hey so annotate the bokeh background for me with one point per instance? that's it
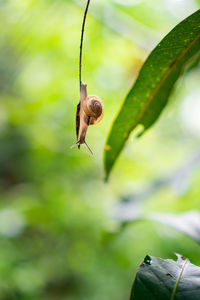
(59, 235)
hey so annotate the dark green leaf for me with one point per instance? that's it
(150, 93)
(166, 279)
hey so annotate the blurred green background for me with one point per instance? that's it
(59, 238)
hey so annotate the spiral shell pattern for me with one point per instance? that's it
(94, 108)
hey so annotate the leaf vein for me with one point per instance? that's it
(162, 81)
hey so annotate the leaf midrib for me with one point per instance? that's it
(179, 278)
(162, 81)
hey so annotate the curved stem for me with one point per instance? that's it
(81, 45)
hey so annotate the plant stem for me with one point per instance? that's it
(81, 44)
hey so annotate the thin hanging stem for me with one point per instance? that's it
(81, 45)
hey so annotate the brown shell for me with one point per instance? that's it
(94, 108)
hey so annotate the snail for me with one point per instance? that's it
(90, 111)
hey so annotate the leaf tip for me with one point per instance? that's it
(106, 178)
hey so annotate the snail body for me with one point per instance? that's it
(90, 111)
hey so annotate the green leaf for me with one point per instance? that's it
(166, 279)
(150, 93)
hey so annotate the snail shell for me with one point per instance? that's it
(90, 111)
(93, 108)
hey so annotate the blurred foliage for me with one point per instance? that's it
(58, 239)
